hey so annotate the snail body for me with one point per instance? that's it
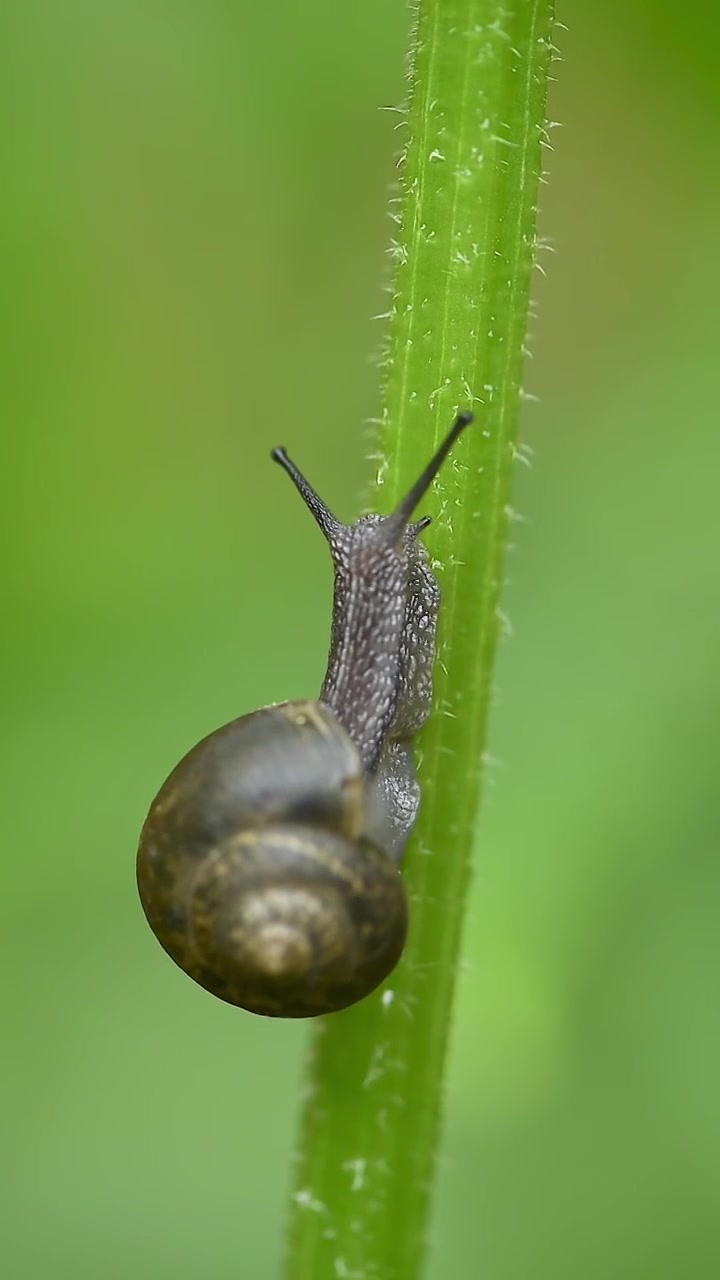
(268, 865)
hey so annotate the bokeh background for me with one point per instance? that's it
(193, 227)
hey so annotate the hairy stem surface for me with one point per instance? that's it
(463, 256)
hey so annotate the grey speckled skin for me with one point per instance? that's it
(379, 676)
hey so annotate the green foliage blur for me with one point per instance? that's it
(193, 228)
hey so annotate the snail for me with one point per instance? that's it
(268, 865)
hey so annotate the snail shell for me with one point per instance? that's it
(255, 874)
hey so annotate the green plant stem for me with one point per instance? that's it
(463, 260)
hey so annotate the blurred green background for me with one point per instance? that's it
(193, 225)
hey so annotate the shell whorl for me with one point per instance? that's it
(294, 922)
